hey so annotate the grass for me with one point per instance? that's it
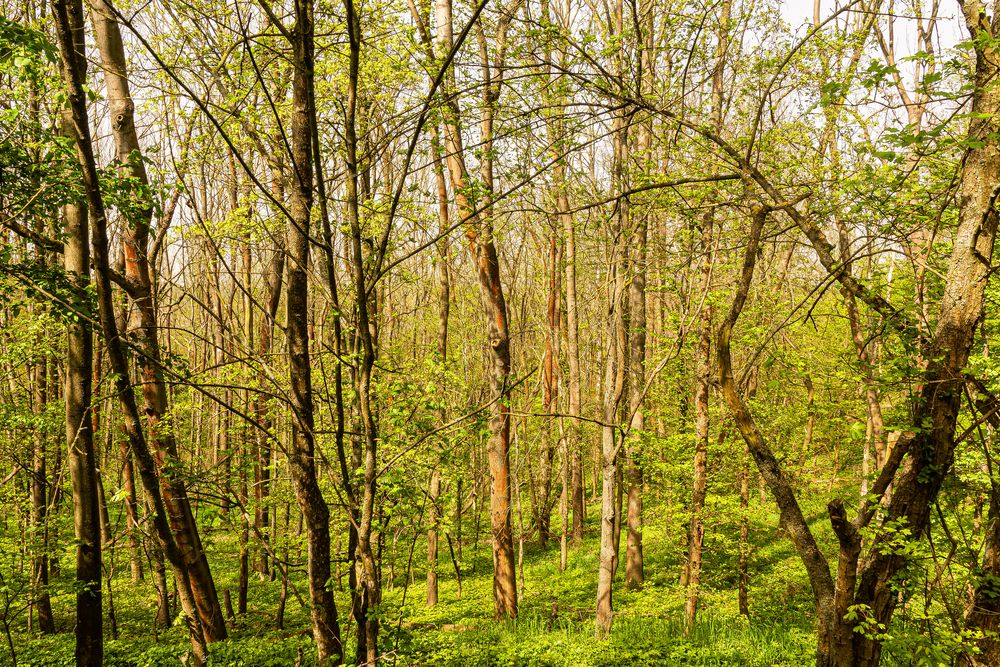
(555, 626)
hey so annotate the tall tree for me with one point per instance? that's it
(616, 340)
(703, 360)
(139, 286)
(369, 588)
(478, 222)
(68, 16)
(302, 449)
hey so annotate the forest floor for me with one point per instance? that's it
(555, 625)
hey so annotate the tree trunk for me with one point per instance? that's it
(107, 36)
(368, 574)
(131, 512)
(614, 381)
(39, 500)
(984, 612)
(433, 497)
(444, 308)
(573, 441)
(791, 518)
(742, 567)
(696, 530)
(550, 391)
(479, 233)
(68, 15)
(301, 452)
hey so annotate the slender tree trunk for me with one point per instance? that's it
(444, 308)
(39, 502)
(696, 530)
(637, 380)
(108, 549)
(550, 389)
(138, 277)
(131, 512)
(479, 233)
(573, 441)
(68, 15)
(984, 612)
(301, 452)
(810, 415)
(369, 586)
(433, 498)
(158, 569)
(634, 574)
(262, 466)
(613, 385)
(742, 567)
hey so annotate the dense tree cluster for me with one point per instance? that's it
(303, 299)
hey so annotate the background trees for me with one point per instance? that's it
(371, 283)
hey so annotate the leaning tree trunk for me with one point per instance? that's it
(138, 277)
(69, 25)
(479, 233)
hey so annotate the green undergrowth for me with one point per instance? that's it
(555, 626)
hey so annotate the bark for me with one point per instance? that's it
(696, 529)
(108, 545)
(613, 385)
(573, 441)
(68, 15)
(39, 502)
(158, 568)
(479, 234)
(107, 36)
(791, 518)
(984, 612)
(550, 390)
(433, 497)
(634, 575)
(444, 308)
(301, 452)
(131, 512)
(368, 575)
(742, 567)
(262, 414)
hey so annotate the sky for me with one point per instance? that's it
(950, 29)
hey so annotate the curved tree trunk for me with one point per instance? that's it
(138, 276)
(479, 234)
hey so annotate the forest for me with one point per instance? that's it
(499, 332)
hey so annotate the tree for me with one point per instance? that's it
(477, 219)
(302, 452)
(139, 285)
(68, 17)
